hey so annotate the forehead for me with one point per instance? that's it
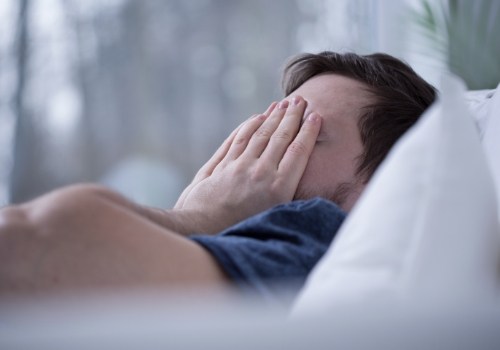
(333, 95)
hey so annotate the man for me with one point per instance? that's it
(342, 114)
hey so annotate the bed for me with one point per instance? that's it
(416, 265)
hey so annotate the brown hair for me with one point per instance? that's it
(401, 96)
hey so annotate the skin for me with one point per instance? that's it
(331, 170)
(86, 236)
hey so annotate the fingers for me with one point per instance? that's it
(285, 132)
(241, 139)
(268, 136)
(244, 131)
(270, 109)
(207, 169)
(297, 154)
(260, 138)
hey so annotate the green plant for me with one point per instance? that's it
(465, 33)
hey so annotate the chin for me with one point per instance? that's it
(344, 194)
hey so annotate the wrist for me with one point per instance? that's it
(191, 221)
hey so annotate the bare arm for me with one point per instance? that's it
(88, 236)
(258, 166)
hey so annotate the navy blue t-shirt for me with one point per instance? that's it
(277, 247)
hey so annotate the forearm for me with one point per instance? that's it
(86, 236)
(257, 167)
(184, 222)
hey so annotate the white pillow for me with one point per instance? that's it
(479, 102)
(426, 225)
(491, 139)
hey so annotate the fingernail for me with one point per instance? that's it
(295, 100)
(272, 105)
(313, 117)
(283, 104)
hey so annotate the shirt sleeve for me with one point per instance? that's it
(276, 249)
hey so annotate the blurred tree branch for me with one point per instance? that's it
(22, 124)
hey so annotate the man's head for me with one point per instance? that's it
(367, 103)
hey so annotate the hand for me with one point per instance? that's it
(207, 169)
(258, 166)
